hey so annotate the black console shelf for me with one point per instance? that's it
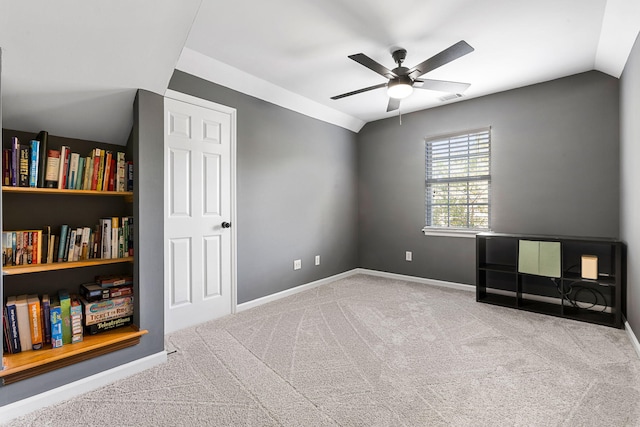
(499, 282)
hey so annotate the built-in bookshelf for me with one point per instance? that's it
(26, 208)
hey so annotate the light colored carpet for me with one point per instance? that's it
(366, 351)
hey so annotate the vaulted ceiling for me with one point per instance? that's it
(72, 67)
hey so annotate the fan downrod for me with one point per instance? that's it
(399, 56)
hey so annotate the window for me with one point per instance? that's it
(458, 180)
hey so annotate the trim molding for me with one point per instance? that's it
(212, 70)
(432, 282)
(632, 337)
(84, 385)
(305, 287)
(292, 291)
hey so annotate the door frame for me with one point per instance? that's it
(179, 96)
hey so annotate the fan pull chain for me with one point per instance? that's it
(400, 116)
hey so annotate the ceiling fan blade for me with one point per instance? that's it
(438, 60)
(441, 85)
(394, 104)
(363, 59)
(366, 89)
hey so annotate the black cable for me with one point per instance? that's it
(579, 289)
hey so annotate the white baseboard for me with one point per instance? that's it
(67, 391)
(288, 292)
(305, 287)
(632, 337)
(433, 282)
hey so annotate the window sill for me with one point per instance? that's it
(443, 232)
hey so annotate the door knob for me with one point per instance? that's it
(226, 224)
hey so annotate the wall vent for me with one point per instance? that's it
(450, 96)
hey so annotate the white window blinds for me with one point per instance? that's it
(458, 180)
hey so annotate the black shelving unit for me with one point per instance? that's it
(499, 282)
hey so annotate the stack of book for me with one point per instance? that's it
(110, 238)
(108, 303)
(36, 165)
(32, 323)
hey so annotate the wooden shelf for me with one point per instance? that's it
(28, 364)
(57, 191)
(37, 268)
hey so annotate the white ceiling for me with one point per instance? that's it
(72, 66)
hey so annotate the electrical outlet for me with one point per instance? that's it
(297, 264)
(408, 256)
(317, 259)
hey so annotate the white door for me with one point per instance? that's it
(199, 265)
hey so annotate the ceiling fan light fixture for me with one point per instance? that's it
(400, 88)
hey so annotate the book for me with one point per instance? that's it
(15, 156)
(107, 170)
(46, 318)
(12, 318)
(6, 167)
(43, 139)
(55, 317)
(130, 235)
(65, 313)
(65, 156)
(22, 316)
(74, 158)
(20, 250)
(70, 245)
(56, 248)
(101, 167)
(27, 239)
(76, 319)
(77, 247)
(46, 244)
(112, 175)
(35, 322)
(80, 175)
(34, 161)
(52, 169)
(129, 176)
(64, 231)
(6, 343)
(84, 243)
(121, 175)
(24, 166)
(105, 227)
(95, 168)
(115, 236)
(8, 246)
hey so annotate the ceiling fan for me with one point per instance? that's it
(402, 80)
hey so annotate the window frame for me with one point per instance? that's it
(448, 230)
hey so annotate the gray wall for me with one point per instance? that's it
(296, 192)
(629, 179)
(555, 157)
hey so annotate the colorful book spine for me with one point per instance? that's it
(64, 232)
(65, 310)
(121, 165)
(34, 161)
(15, 156)
(76, 319)
(52, 169)
(56, 323)
(43, 137)
(74, 158)
(129, 176)
(22, 316)
(96, 168)
(46, 318)
(35, 322)
(12, 317)
(24, 166)
(6, 167)
(105, 227)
